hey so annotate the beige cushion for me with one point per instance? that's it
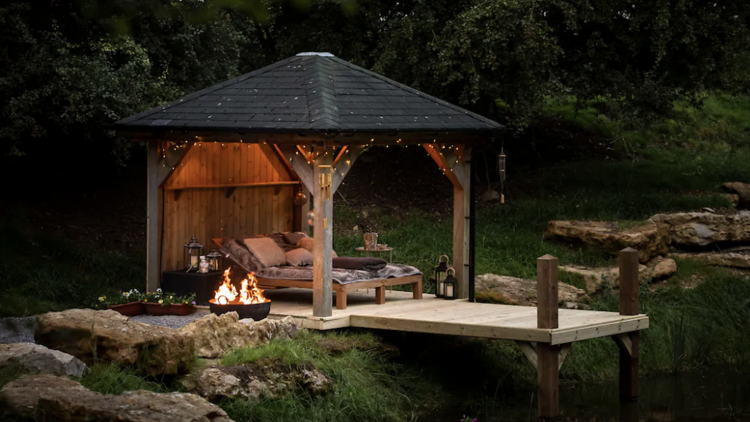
(299, 257)
(293, 237)
(266, 251)
(307, 243)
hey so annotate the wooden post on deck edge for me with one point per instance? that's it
(629, 353)
(547, 355)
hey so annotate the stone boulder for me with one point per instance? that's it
(742, 190)
(258, 380)
(518, 291)
(649, 239)
(215, 335)
(719, 259)
(700, 229)
(47, 397)
(658, 269)
(111, 337)
(30, 357)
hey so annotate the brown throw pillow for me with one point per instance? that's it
(299, 257)
(294, 237)
(266, 251)
(307, 243)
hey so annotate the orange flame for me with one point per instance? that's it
(248, 295)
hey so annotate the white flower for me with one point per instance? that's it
(158, 290)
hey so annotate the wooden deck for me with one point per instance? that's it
(438, 316)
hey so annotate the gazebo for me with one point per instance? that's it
(230, 158)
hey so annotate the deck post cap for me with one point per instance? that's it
(547, 257)
(629, 250)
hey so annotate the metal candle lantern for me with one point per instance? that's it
(450, 284)
(193, 250)
(311, 218)
(439, 276)
(300, 198)
(214, 260)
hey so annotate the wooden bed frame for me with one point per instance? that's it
(342, 289)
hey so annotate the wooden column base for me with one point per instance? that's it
(548, 361)
(380, 295)
(629, 357)
(340, 299)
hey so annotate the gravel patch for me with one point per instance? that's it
(17, 330)
(171, 321)
(21, 330)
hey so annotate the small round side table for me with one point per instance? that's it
(367, 252)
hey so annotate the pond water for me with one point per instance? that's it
(718, 395)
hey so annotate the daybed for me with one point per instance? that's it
(301, 276)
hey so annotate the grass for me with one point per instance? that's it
(366, 387)
(41, 272)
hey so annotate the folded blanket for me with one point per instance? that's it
(357, 263)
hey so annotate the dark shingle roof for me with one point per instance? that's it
(310, 92)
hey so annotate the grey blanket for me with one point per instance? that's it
(340, 276)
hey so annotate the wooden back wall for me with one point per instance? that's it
(192, 207)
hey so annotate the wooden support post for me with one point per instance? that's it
(461, 222)
(323, 236)
(341, 299)
(380, 295)
(548, 356)
(416, 290)
(629, 353)
(153, 201)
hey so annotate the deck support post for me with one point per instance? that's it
(548, 355)
(323, 236)
(628, 342)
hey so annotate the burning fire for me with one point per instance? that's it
(248, 295)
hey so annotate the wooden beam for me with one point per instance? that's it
(629, 350)
(236, 185)
(170, 160)
(344, 162)
(301, 163)
(548, 355)
(446, 159)
(565, 348)
(548, 376)
(530, 353)
(323, 236)
(153, 224)
(546, 292)
(461, 224)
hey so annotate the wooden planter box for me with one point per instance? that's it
(157, 309)
(129, 309)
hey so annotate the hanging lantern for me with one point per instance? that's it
(311, 218)
(300, 198)
(450, 284)
(439, 276)
(193, 251)
(214, 260)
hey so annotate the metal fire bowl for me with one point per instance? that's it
(256, 311)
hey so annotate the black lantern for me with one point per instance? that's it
(451, 284)
(193, 251)
(214, 260)
(439, 276)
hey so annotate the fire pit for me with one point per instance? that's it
(249, 303)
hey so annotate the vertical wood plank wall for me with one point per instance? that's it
(207, 213)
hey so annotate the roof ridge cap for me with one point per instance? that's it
(320, 91)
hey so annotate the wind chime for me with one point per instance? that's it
(501, 167)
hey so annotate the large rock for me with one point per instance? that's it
(111, 337)
(719, 259)
(36, 358)
(700, 229)
(742, 190)
(518, 291)
(258, 380)
(215, 335)
(648, 238)
(47, 397)
(658, 269)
